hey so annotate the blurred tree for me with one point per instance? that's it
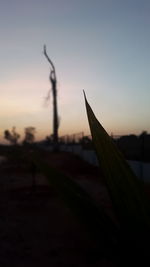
(12, 136)
(86, 142)
(53, 82)
(29, 135)
(144, 140)
(49, 139)
(143, 134)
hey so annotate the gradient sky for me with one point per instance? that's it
(101, 46)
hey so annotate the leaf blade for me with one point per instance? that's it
(125, 190)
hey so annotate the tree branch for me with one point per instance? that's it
(49, 60)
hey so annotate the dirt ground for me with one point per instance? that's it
(36, 228)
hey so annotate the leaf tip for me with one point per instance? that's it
(84, 95)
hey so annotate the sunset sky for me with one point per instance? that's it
(101, 46)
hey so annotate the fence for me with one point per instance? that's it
(77, 137)
(135, 148)
(141, 169)
(73, 138)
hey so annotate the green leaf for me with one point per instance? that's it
(126, 191)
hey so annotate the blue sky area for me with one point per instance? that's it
(101, 46)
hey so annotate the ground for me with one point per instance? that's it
(36, 227)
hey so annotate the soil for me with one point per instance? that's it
(36, 227)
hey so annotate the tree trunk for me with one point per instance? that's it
(53, 81)
(55, 117)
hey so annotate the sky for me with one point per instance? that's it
(101, 46)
